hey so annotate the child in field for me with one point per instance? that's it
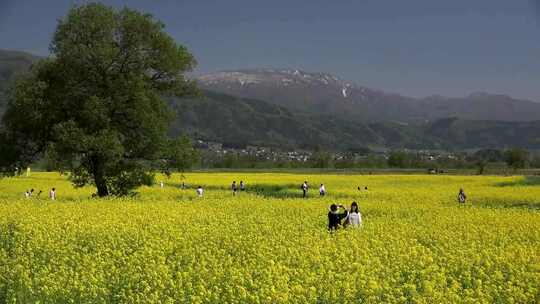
(161, 184)
(52, 194)
(334, 217)
(322, 190)
(354, 219)
(199, 191)
(242, 186)
(461, 196)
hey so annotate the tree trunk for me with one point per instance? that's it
(99, 178)
(101, 186)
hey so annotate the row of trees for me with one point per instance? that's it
(514, 158)
(480, 160)
(95, 107)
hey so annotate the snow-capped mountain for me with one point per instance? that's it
(310, 92)
(285, 78)
(327, 94)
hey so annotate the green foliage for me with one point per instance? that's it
(179, 155)
(96, 104)
(322, 159)
(535, 162)
(240, 122)
(8, 155)
(485, 156)
(398, 159)
(489, 155)
(11, 63)
(517, 158)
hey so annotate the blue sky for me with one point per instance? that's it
(413, 47)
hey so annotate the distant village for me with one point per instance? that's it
(262, 153)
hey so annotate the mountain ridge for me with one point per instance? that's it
(326, 93)
(237, 120)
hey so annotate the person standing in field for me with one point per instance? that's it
(322, 190)
(304, 188)
(461, 196)
(242, 186)
(354, 218)
(335, 217)
(199, 191)
(161, 184)
(52, 194)
(234, 188)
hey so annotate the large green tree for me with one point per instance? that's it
(97, 102)
(517, 158)
(179, 155)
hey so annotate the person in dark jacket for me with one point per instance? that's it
(234, 188)
(242, 186)
(335, 217)
(461, 196)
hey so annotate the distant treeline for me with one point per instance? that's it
(482, 161)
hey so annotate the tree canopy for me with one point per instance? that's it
(97, 103)
(517, 158)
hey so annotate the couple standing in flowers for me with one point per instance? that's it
(351, 217)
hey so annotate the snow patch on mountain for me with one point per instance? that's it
(231, 77)
(344, 92)
(286, 78)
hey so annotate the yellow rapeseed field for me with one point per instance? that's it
(268, 245)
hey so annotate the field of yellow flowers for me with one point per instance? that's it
(268, 245)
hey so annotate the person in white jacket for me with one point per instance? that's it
(199, 191)
(322, 190)
(354, 218)
(52, 194)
